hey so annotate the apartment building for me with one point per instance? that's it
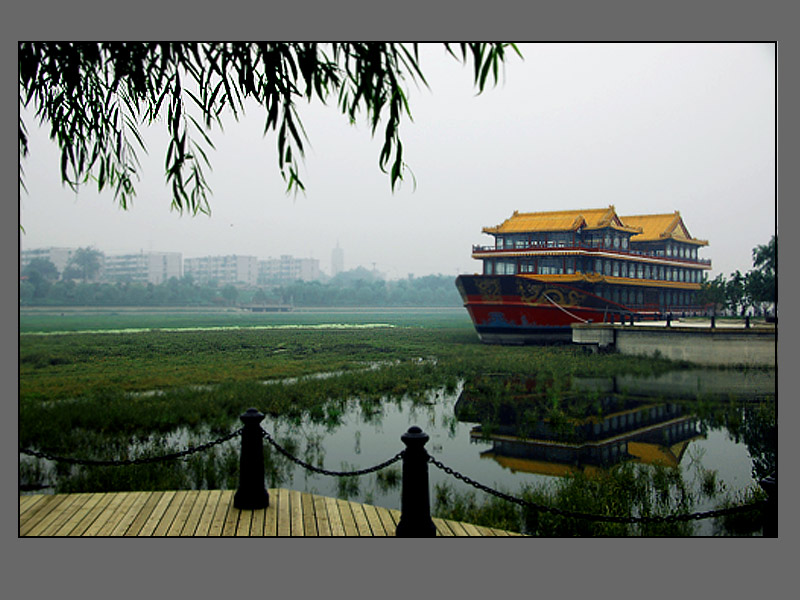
(144, 267)
(287, 269)
(233, 269)
(60, 257)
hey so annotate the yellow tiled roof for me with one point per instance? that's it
(661, 227)
(561, 220)
(644, 227)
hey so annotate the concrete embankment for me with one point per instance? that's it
(697, 341)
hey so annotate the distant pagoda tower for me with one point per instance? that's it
(337, 260)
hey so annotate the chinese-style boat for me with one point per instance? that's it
(548, 270)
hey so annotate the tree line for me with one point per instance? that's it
(40, 286)
(754, 292)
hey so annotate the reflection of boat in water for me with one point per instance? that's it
(663, 443)
(548, 270)
(584, 433)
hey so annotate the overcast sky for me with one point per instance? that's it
(649, 128)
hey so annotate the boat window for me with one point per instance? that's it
(616, 241)
(647, 271)
(616, 268)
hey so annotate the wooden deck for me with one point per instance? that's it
(210, 513)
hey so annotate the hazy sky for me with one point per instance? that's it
(649, 128)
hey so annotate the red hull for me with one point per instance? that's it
(515, 310)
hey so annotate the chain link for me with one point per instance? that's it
(310, 467)
(134, 461)
(609, 518)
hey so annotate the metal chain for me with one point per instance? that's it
(134, 461)
(611, 518)
(310, 467)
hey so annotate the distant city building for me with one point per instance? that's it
(288, 268)
(60, 257)
(337, 260)
(144, 267)
(233, 269)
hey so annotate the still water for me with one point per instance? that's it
(505, 434)
(670, 419)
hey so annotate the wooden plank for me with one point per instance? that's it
(221, 513)
(361, 519)
(211, 512)
(321, 513)
(457, 528)
(296, 513)
(309, 518)
(271, 514)
(79, 515)
(193, 517)
(139, 500)
(284, 514)
(348, 519)
(389, 524)
(56, 518)
(169, 515)
(244, 522)
(28, 502)
(104, 499)
(108, 513)
(231, 520)
(38, 512)
(158, 513)
(144, 514)
(185, 509)
(113, 522)
(375, 524)
(442, 528)
(207, 516)
(334, 517)
(257, 524)
(471, 530)
(122, 508)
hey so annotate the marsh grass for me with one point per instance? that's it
(624, 490)
(115, 396)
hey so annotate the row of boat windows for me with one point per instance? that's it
(618, 242)
(630, 297)
(568, 266)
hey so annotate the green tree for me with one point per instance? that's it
(230, 294)
(735, 293)
(714, 292)
(40, 273)
(95, 96)
(762, 281)
(44, 267)
(84, 264)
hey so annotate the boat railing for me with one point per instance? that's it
(494, 249)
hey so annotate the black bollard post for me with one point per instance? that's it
(747, 322)
(770, 485)
(713, 321)
(251, 494)
(669, 319)
(415, 507)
